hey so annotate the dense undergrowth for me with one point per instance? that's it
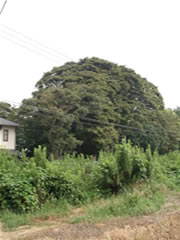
(126, 182)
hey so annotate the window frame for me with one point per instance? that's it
(5, 135)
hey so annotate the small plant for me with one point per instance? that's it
(40, 157)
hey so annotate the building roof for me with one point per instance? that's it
(4, 122)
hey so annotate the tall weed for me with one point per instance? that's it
(27, 184)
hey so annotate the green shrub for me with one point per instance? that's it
(106, 178)
(63, 185)
(127, 165)
(17, 193)
(27, 184)
(132, 162)
(40, 157)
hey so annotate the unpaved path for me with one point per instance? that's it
(161, 225)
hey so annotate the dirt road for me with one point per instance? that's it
(162, 225)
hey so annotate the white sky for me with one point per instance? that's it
(141, 34)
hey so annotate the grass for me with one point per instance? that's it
(140, 201)
(50, 211)
(12, 220)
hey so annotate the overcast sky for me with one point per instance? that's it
(141, 34)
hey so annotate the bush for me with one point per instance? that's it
(17, 193)
(116, 170)
(62, 185)
(106, 178)
(29, 183)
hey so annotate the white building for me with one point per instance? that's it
(7, 134)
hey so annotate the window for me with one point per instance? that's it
(5, 135)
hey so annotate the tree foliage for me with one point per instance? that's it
(90, 106)
(7, 111)
(171, 124)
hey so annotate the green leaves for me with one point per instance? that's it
(7, 111)
(100, 91)
(126, 166)
(27, 184)
(92, 105)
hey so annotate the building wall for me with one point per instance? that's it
(10, 144)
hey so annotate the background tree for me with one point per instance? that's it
(171, 124)
(90, 106)
(46, 124)
(7, 111)
(177, 111)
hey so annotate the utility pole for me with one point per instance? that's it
(3, 7)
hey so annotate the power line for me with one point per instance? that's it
(45, 51)
(34, 42)
(108, 123)
(31, 50)
(22, 39)
(3, 7)
(92, 121)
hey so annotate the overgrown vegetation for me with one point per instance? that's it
(27, 184)
(131, 202)
(120, 183)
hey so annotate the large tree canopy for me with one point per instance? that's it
(91, 105)
(6, 111)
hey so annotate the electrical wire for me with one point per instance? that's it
(39, 48)
(32, 41)
(29, 43)
(92, 121)
(108, 123)
(32, 45)
(31, 50)
(31, 107)
(36, 44)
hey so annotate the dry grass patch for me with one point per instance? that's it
(167, 228)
